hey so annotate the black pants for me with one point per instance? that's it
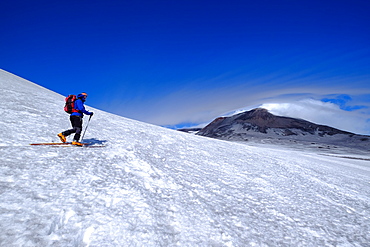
(76, 122)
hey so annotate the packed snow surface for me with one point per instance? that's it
(151, 186)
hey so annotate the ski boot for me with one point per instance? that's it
(62, 137)
(76, 143)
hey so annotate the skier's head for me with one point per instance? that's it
(82, 96)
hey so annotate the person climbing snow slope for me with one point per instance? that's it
(76, 116)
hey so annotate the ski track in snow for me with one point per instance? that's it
(156, 187)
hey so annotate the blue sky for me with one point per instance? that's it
(183, 63)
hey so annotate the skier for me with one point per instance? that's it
(76, 120)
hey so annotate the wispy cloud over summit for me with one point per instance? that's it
(355, 120)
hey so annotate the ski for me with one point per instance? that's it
(51, 143)
(65, 144)
(54, 143)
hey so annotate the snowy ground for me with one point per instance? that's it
(152, 186)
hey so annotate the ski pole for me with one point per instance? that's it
(87, 125)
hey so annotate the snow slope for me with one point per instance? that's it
(152, 186)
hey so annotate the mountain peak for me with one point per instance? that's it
(260, 110)
(258, 113)
(260, 123)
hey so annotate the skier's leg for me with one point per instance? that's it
(74, 123)
(77, 128)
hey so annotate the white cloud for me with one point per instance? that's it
(203, 107)
(197, 105)
(324, 113)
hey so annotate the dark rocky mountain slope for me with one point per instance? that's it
(261, 124)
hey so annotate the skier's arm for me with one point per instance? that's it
(80, 106)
